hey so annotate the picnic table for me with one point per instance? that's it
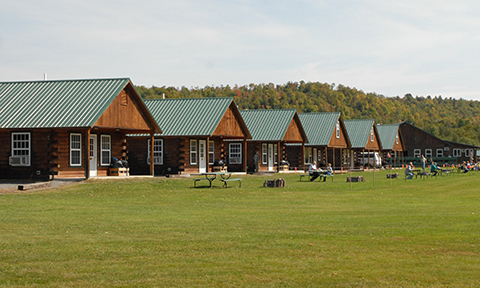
(323, 175)
(221, 176)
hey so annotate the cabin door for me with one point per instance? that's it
(202, 153)
(93, 155)
(270, 157)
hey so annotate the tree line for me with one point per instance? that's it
(446, 118)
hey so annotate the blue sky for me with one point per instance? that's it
(387, 47)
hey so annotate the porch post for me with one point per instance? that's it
(207, 154)
(245, 155)
(303, 157)
(87, 154)
(278, 155)
(152, 143)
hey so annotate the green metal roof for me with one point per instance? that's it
(359, 131)
(387, 134)
(56, 104)
(319, 127)
(188, 116)
(268, 125)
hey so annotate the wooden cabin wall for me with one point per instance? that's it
(294, 156)
(338, 142)
(415, 138)
(293, 133)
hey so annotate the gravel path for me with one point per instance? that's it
(11, 186)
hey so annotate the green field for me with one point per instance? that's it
(158, 232)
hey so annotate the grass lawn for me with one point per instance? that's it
(165, 233)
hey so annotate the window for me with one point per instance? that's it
(275, 153)
(193, 152)
(235, 153)
(371, 135)
(123, 98)
(308, 155)
(20, 149)
(75, 149)
(457, 152)
(105, 150)
(468, 153)
(337, 130)
(439, 152)
(157, 152)
(396, 139)
(428, 153)
(417, 152)
(264, 153)
(211, 152)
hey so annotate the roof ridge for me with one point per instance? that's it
(65, 80)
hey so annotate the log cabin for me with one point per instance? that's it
(68, 128)
(365, 142)
(392, 144)
(327, 140)
(419, 142)
(194, 137)
(271, 130)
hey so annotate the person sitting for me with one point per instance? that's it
(329, 171)
(116, 163)
(434, 169)
(465, 167)
(409, 171)
(312, 170)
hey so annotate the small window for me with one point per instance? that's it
(337, 130)
(371, 135)
(439, 152)
(75, 149)
(396, 139)
(457, 152)
(105, 150)
(157, 152)
(235, 153)
(428, 153)
(467, 153)
(275, 153)
(211, 152)
(21, 149)
(264, 153)
(193, 152)
(417, 153)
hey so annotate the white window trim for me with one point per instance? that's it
(428, 153)
(235, 160)
(193, 152)
(468, 152)
(457, 152)
(275, 153)
(417, 152)
(157, 155)
(108, 150)
(337, 131)
(396, 139)
(371, 135)
(264, 153)
(76, 149)
(439, 153)
(211, 151)
(29, 149)
(308, 155)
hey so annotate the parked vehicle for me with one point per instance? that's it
(370, 159)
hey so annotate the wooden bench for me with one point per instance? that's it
(325, 176)
(225, 181)
(423, 175)
(210, 179)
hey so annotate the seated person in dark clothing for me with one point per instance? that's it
(434, 169)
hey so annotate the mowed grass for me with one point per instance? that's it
(165, 233)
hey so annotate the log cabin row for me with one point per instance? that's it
(73, 128)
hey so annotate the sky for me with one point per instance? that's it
(391, 48)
